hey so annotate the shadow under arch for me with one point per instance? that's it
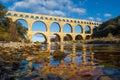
(55, 27)
(39, 37)
(39, 26)
(67, 37)
(78, 37)
(67, 28)
(78, 29)
(55, 38)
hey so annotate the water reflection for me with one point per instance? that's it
(80, 63)
(72, 62)
(76, 53)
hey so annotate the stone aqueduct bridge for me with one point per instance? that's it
(48, 20)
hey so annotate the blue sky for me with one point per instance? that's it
(96, 10)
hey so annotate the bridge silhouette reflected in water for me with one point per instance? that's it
(79, 62)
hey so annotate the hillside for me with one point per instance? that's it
(111, 26)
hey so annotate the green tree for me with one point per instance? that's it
(2, 11)
(8, 29)
(4, 23)
(13, 32)
(22, 30)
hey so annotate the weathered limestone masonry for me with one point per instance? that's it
(48, 20)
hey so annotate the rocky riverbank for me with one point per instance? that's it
(11, 59)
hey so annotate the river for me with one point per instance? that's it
(73, 62)
(81, 62)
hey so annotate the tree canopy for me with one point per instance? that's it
(2, 11)
(9, 30)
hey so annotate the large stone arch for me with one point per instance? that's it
(23, 20)
(41, 34)
(67, 37)
(87, 29)
(22, 26)
(66, 28)
(39, 24)
(78, 29)
(78, 37)
(56, 38)
(55, 27)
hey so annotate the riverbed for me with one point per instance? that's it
(78, 62)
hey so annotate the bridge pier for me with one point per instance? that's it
(62, 48)
(84, 55)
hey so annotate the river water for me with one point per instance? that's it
(80, 62)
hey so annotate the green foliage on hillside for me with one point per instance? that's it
(110, 27)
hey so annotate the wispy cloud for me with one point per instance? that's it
(50, 7)
(107, 15)
(91, 18)
(79, 10)
(98, 19)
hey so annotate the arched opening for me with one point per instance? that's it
(88, 37)
(78, 37)
(9, 14)
(87, 30)
(37, 17)
(39, 26)
(26, 16)
(15, 15)
(78, 29)
(67, 28)
(22, 27)
(55, 27)
(39, 37)
(68, 37)
(55, 38)
(21, 16)
(32, 17)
